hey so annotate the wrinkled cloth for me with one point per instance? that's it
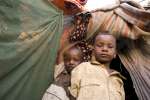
(113, 22)
(58, 70)
(62, 81)
(55, 92)
(91, 81)
(136, 60)
(30, 33)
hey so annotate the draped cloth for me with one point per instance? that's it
(133, 25)
(30, 33)
(136, 60)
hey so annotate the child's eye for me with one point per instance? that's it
(110, 46)
(99, 45)
(77, 60)
(66, 58)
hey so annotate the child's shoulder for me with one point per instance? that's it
(58, 69)
(82, 66)
(117, 74)
(84, 63)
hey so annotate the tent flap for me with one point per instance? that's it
(29, 40)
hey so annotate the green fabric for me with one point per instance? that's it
(30, 31)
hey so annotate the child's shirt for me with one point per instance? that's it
(55, 92)
(63, 79)
(58, 70)
(59, 89)
(91, 81)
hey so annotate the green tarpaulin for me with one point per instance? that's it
(29, 36)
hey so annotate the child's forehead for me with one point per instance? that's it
(72, 51)
(106, 37)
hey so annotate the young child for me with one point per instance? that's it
(95, 80)
(59, 89)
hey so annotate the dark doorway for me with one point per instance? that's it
(128, 85)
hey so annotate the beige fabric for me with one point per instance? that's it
(93, 82)
(58, 69)
(55, 92)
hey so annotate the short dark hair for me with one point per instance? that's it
(101, 33)
(84, 47)
(71, 46)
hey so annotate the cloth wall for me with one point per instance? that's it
(135, 57)
(30, 33)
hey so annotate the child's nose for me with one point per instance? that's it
(105, 48)
(71, 61)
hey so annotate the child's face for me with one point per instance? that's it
(72, 58)
(105, 48)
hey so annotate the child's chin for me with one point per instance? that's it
(69, 70)
(104, 60)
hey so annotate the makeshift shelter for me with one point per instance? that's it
(30, 36)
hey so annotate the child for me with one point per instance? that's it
(59, 89)
(95, 80)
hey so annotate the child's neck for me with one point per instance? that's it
(106, 65)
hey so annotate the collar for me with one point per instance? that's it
(64, 71)
(116, 73)
(94, 62)
(112, 73)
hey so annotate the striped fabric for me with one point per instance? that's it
(115, 24)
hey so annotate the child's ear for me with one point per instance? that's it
(114, 56)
